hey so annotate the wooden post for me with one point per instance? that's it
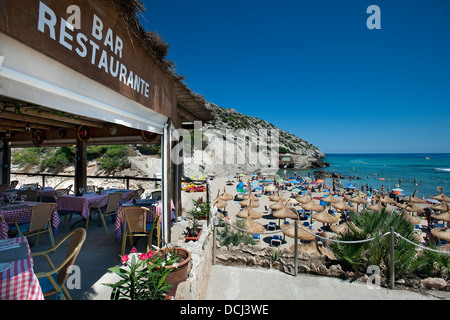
(392, 258)
(80, 166)
(6, 162)
(296, 248)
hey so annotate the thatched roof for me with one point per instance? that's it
(152, 42)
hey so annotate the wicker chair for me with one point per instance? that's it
(53, 282)
(107, 210)
(135, 220)
(3, 188)
(40, 222)
(32, 195)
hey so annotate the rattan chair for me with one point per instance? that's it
(3, 188)
(135, 225)
(53, 282)
(112, 202)
(40, 222)
(32, 195)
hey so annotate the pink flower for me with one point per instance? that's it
(124, 259)
(143, 256)
(133, 250)
(150, 254)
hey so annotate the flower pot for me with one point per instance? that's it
(180, 273)
(192, 238)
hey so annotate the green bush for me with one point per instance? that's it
(227, 236)
(27, 157)
(115, 158)
(58, 158)
(360, 256)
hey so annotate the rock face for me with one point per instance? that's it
(234, 142)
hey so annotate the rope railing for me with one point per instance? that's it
(392, 234)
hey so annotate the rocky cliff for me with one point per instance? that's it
(234, 142)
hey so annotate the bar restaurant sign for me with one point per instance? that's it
(90, 37)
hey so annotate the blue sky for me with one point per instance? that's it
(314, 69)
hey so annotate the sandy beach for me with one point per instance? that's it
(219, 184)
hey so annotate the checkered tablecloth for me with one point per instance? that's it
(19, 282)
(80, 205)
(11, 212)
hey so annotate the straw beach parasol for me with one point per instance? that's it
(375, 207)
(253, 226)
(441, 196)
(330, 199)
(301, 234)
(343, 227)
(226, 196)
(249, 203)
(443, 216)
(312, 206)
(305, 198)
(386, 199)
(441, 233)
(325, 217)
(342, 206)
(249, 213)
(277, 205)
(414, 199)
(285, 213)
(443, 206)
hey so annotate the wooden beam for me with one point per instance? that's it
(57, 117)
(15, 123)
(33, 119)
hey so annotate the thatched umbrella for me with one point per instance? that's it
(342, 206)
(441, 233)
(342, 228)
(313, 248)
(401, 205)
(443, 216)
(275, 197)
(413, 219)
(253, 226)
(304, 198)
(386, 199)
(220, 204)
(251, 196)
(285, 213)
(441, 196)
(414, 199)
(411, 207)
(312, 206)
(249, 203)
(330, 199)
(277, 205)
(301, 234)
(358, 200)
(325, 217)
(375, 207)
(249, 213)
(226, 196)
(443, 206)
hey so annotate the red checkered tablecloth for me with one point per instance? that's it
(80, 204)
(19, 282)
(11, 212)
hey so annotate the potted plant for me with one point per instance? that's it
(200, 209)
(151, 275)
(193, 232)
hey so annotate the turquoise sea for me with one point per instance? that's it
(429, 171)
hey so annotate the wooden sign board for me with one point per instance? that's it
(90, 37)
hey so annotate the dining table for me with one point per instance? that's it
(154, 209)
(17, 278)
(47, 193)
(22, 209)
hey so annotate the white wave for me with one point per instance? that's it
(443, 169)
